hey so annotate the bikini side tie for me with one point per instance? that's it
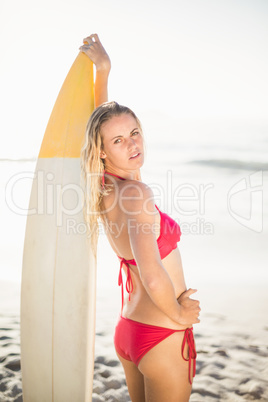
(129, 283)
(189, 338)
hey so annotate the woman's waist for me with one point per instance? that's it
(141, 308)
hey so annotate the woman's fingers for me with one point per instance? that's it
(186, 295)
(191, 308)
(189, 292)
(95, 37)
(85, 47)
(91, 39)
(93, 48)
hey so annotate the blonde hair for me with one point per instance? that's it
(93, 167)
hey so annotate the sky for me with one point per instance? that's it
(188, 59)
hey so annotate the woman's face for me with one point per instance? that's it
(122, 143)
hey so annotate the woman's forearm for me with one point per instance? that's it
(161, 291)
(184, 310)
(101, 87)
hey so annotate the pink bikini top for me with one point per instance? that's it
(170, 234)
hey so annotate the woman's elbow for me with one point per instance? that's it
(151, 281)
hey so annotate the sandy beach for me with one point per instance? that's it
(232, 363)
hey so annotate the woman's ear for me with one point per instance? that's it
(102, 154)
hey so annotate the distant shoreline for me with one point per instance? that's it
(215, 163)
(18, 160)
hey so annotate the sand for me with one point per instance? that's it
(232, 348)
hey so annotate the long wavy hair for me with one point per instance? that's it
(93, 167)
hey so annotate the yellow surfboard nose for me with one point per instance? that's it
(65, 130)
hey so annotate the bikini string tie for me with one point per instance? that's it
(103, 180)
(129, 283)
(189, 339)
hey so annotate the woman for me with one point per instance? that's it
(153, 337)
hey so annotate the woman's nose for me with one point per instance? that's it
(131, 143)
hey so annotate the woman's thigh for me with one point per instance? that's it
(134, 379)
(166, 374)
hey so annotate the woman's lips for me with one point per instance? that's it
(134, 157)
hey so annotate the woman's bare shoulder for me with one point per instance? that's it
(129, 198)
(135, 197)
(133, 188)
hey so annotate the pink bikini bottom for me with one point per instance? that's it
(133, 339)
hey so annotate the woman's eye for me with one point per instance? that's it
(119, 139)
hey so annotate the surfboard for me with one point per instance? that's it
(58, 289)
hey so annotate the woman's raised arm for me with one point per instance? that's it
(93, 48)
